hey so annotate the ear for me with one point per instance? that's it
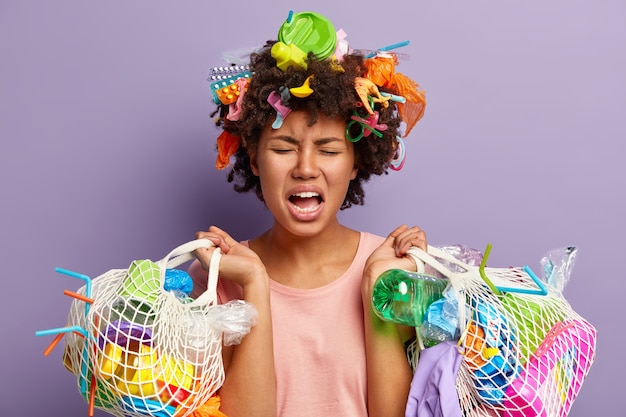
(253, 164)
(355, 171)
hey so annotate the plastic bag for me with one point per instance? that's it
(557, 266)
(139, 345)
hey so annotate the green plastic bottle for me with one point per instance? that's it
(402, 297)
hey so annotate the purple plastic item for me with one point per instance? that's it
(119, 332)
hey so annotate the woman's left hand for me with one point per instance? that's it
(389, 373)
(392, 254)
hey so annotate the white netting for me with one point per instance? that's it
(525, 351)
(143, 350)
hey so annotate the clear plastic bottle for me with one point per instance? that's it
(402, 297)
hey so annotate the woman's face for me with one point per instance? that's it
(304, 171)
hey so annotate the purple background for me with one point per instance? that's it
(107, 151)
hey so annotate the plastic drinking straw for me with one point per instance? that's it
(483, 275)
(92, 395)
(81, 277)
(387, 48)
(394, 46)
(290, 16)
(541, 289)
(393, 97)
(58, 330)
(78, 296)
(83, 371)
(53, 344)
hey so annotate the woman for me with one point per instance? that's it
(317, 349)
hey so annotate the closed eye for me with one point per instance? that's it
(282, 150)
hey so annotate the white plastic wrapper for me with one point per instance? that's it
(557, 266)
(234, 319)
(463, 253)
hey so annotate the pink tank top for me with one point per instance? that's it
(319, 345)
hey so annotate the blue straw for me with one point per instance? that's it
(394, 97)
(387, 48)
(63, 330)
(394, 46)
(81, 277)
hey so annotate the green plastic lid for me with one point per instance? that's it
(311, 32)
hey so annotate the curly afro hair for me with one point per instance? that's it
(334, 95)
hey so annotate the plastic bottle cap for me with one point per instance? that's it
(311, 32)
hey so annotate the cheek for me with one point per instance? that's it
(272, 179)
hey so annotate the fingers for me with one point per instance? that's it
(227, 238)
(408, 237)
(218, 237)
(391, 238)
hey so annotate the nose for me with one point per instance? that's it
(306, 165)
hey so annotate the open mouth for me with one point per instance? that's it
(305, 202)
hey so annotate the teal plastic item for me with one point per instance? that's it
(402, 297)
(225, 82)
(311, 32)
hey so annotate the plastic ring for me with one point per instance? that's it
(398, 161)
(350, 138)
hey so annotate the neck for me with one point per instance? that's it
(289, 257)
(282, 239)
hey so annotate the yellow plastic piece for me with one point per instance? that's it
(144, 372)
(108, 362)
(490, 352)
(138, 377)
(288, 55)
(177, 373)
(304, 90)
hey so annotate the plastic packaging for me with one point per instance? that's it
(463, 253)
(402, 296)
(490, 351)
(234, 319)
(179, 282)
(441, 320)
(557, 266)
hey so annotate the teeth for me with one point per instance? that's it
(308, 194)
(305, 210)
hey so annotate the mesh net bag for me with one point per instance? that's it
(139, 345)
(525, 351)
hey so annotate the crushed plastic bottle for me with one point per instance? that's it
(402, 297)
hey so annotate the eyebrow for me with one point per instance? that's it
(320, 141)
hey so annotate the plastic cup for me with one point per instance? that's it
(311, 32)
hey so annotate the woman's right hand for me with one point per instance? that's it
(239, 263)
(250, 384)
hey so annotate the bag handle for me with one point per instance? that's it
(431, 258)
(184, 253)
